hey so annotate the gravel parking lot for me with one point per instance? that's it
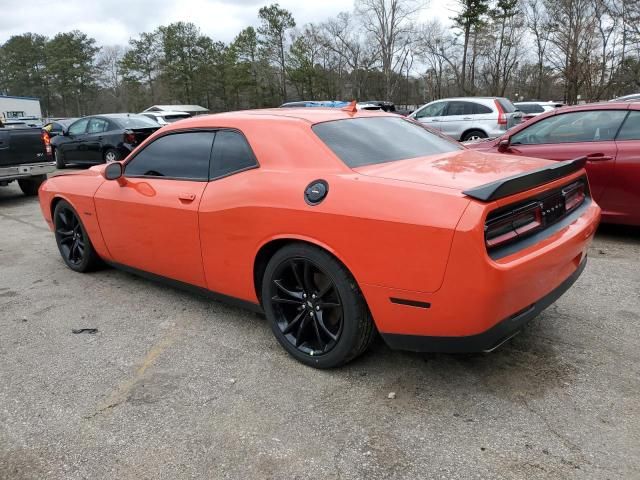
(176, 386)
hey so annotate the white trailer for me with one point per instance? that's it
(19, 107)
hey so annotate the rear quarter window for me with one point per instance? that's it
(480, 109)
(137, 121)
(367, 141)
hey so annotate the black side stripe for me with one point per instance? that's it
(410, 303)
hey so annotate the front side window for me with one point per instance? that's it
(631, 128)
(433, 110)
(231, 153)
(180, 155)
(586, 126)
(367, 141)
(79, 127)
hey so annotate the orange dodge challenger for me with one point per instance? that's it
(336, 224)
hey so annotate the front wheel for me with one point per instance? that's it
(30, 186)
(72, 239)
(315, 307)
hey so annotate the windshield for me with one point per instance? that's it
(136, 121)
(367, 141)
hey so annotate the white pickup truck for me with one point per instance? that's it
(25, 156)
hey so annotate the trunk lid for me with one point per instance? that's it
(461, 170)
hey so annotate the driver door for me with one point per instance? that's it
(431, 114)
(73, 140)
(149, 217)
(567, 136)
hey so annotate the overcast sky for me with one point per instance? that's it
(115, 21)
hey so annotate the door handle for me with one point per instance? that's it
(187, 197)
(467, 118)
(435, 120)
(598, 157)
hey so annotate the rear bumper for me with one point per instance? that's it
(29, 170)
(489, 339)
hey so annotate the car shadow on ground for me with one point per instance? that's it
(619, 232)
(12, 196)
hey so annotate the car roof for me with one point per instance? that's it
(164, 113)
(306, 115)
(466, 98)
(117, 115)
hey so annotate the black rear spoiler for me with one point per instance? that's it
(525, 181)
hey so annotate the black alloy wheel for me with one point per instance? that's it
(315, 307)
(72, 239)
(308, 307)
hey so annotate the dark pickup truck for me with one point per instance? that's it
(25, 156)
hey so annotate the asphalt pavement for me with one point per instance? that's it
(177, 386)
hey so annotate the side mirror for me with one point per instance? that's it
(113, 171)
(503, 145)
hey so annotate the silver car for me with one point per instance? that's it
(469, 118)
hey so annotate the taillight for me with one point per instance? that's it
(573, 196)
(46, 139)
(512, 225)
(129, 137)
(504, 227)
(502, 117)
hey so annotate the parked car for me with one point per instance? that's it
(310, 215)
(607, 134)
(101, 138)
(330, 104)
(25, 157)
(533, 109)
(627, 98)
(164, 117)
(384, 105)
(469, 118)
(58, 126)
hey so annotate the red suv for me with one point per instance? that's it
(608, 134)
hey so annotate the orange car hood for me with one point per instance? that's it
(458, 170)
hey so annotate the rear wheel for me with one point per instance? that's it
(30, 186)
(57, 155)
(111, 155)
(315, 307)
(473, 135)
(72, 239)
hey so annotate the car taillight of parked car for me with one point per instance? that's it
(130, 138)
(46, 139)
(534, 216)
(502, 117)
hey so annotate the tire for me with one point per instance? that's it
(111, 155)
(301, 279)
(473, 135)
(73, 242)
(57, 155)
(30, 186)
